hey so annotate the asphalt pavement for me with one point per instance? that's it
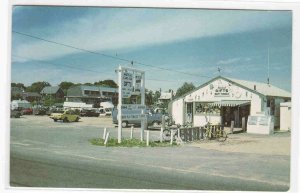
(48, 154)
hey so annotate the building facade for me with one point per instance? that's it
(223, 100)
(92, 94)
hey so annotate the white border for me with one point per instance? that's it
(5, 52)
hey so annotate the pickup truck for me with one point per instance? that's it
(153, 119)
(65, 116)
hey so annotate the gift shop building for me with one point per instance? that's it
(223, 100)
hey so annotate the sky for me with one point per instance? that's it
(172, 46)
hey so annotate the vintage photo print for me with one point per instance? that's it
(143, 97)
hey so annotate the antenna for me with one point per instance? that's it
(219, 69)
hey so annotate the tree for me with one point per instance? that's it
(19, 85)
(106, 83)
(185, 88)
(37, 86)
(65, 85)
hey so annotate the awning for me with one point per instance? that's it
(230, 103)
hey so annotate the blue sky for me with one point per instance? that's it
(194, 41)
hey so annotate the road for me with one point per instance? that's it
(48, 154)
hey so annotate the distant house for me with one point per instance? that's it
(54, 91)
(31, 96)
(165, 97)
(92, 94)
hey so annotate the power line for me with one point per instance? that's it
(106, 55)
(77, 68)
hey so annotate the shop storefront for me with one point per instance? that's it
(223, 100)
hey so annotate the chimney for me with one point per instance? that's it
(254, 87)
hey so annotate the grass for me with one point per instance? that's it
(130, 143)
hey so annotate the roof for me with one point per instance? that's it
(31, 94)
(262, 88)
(50, 90)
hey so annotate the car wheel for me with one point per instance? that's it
(65, 120)
(77, 119)
(55, 120)
(124, 124)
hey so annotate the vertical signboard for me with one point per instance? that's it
(131, 82)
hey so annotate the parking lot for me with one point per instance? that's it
(276, 144)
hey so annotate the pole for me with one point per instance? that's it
(163, 126)
(104, 134)
(143, 103)
(131, 132)
(148, 138)
(120, 72)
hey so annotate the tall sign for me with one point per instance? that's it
(131, 82)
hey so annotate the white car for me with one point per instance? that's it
(104, 111)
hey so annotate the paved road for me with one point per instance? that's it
(59, 155)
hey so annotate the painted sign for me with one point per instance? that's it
(127, 84)
(131, 82)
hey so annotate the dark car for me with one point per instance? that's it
(89, 113)
(16, 113)
(40, 111)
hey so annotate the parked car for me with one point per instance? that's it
(153, 119)
(27, 111)
(89, 113)
(66, 116)
(40, 111)
(16, 113)
(104, 111)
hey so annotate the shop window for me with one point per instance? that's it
(206, 109)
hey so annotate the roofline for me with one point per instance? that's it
(206, 83)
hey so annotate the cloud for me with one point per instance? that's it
(131, 29)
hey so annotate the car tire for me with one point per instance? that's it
(77, 119)
(55, 120)
(65, 120)
(156, 124)
(124, 124)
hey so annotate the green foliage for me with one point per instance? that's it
(19, 85)
(50, 101)
(16, 97)
(65, 85)
(106, 83)
(185, 88)
(129, 143)
(37, 86)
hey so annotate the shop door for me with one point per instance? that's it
(189, 113)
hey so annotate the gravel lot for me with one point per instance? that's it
(276, 144)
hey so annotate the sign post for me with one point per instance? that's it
(131, 82)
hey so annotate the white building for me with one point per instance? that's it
(222, 100)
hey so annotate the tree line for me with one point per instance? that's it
(151, 97)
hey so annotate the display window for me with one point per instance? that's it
(206, 108)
